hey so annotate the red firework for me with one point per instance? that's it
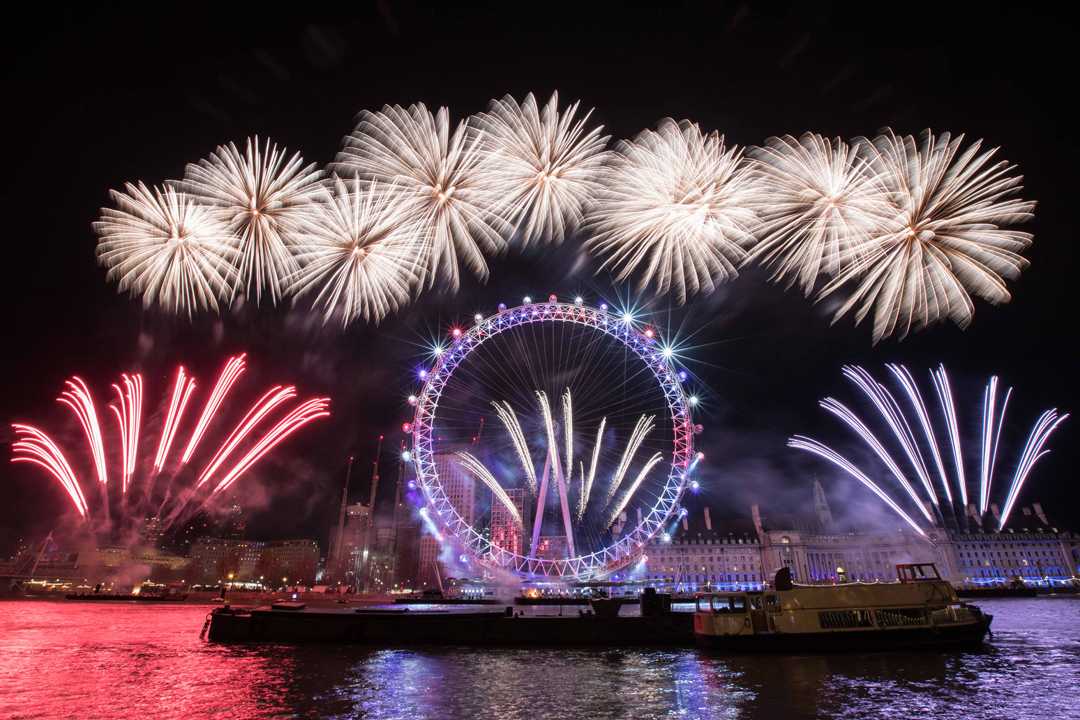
(220, 472)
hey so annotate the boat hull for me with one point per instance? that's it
(484, 629)
(967, 636)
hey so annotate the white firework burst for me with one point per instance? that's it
(438, 177)
(356, 253)
(546, 164)
(821, 200)
(678, 206)
(946, 240)
(260, 195)
(168, 248)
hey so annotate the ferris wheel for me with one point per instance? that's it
(553, 440)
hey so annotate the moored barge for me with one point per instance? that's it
(919, 611)
(393, 627)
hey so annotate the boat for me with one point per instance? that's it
(464, 627)
(126, 597)
(1015, 589)
(918, 611)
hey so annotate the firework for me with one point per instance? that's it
(262, 407)
(928, 502)
(656, 458)
(546, 164)
(166, 247)
(36, 447)
(182, 389)
(260, 195)
(474, 466)
(946, 239)
(820, 202)
(436, 178)
(517, 436)
(677, 206)
(306, 412)
(563, 473)
(128, 413)
(78, 398)
(587, 481)
(643, 427)
(357, 253)
(234, 368)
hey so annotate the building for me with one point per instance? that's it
(460, 489)
(506, 533)
(291, 562)
(346, 560)
(818, 550)
(698, 554)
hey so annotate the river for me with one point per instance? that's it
(121, 661)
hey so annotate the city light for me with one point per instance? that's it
(693, 400)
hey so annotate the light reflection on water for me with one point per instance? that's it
(128, 661)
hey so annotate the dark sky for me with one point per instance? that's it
(96, 97)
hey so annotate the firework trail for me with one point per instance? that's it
(234, 368)
(677, 206)
(644, 426)
(568, 433)
(260, 196)
(1033, 450)
(545, 164)
(948, 408)
(36, 447)
(587, 484)
(357, 253)
(481, 473)
(820, 203)
(945, 240)
(553, 463)
(517, 436)
(78, 398)
(435, 177)
(262, 407)
(907, 382)
(182, 389)
(168, 248)
(993, 422)
(128, 413)
(801, 442)
(657, 457)
(307, 412)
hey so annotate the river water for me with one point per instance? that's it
(138, 661)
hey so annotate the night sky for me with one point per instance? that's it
(94, 98)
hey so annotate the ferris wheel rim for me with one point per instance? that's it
(612, 557)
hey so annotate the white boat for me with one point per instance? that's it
(919, 610)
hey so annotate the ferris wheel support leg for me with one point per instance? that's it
(541, 496)
(564, 501)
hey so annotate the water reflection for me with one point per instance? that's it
(126, 661)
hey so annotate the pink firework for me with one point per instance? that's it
(251, 439)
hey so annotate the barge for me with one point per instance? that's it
(918, 611)
(392, 627)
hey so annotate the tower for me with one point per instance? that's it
(821, 506)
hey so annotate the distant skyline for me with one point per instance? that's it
(102, 96)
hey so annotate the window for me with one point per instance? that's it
(834, 619)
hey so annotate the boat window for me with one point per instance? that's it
(833, 619)
(755, 602)
(738, 603)
(772, 603)
(897, 617)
